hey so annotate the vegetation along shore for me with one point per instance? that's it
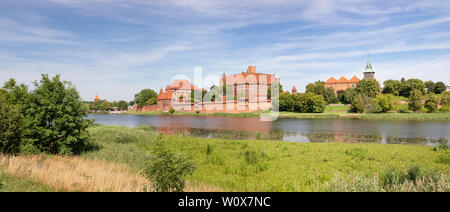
(121, 156)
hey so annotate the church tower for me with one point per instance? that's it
(369, 73)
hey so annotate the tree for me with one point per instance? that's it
(340, 96)
(370, 88)
(319, 88)
(386, 102)
(146, 97)
(122, 105)
(392, 87)
(430, 86)
(445, 99)
(55, 119)
(311, 103)
(131, 103)
(439, 88)
(286, 102)
(431, 103)
(11, 125)
(349, 95)
(407, 86)
(168, 170)
(415, 100)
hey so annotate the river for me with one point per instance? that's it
(286, 129)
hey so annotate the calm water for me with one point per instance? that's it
(298, 130)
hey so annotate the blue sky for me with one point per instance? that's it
(115, 48)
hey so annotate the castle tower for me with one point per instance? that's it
(96, 97)
(294, 90)
(369, 73)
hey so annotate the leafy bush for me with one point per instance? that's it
(386, 102)
(364, 104)
(11, 126)
(445, 99)
(168, 170)
(171, 110)
(431, 103)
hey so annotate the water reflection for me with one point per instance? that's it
(297, 130)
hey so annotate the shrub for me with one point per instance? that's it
(431, 103)
(171, 110)
(364, 104)
(445, 99)
(415, 100)
(197, 111)
(444, 109)
(441, 147)
(168, 170)
(11, 126)
(386, 102)
(311, 103)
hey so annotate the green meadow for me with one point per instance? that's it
(265, 165)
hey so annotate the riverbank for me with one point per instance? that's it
(256, 165)
(331, 112)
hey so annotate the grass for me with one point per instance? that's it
(18, 184)
(331, 112)
(256, 165)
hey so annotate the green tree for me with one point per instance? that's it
(364, 104)
(445, 99)
(386, 102)
(122, 105)
(168, 170)
(11, 125)
(415, 100)
(431, 103)
(370, 88)
(392, 87)
(349, 95)
(407, 86)
(146, 97)
(341, 96)
(286, 102)
(319, 88)
(131, 103)
(55, 118)
(310, 103)
(430, 86)
(439, 88)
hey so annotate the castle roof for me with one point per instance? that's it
(161, 94)
(294, 89)
(342, 79)
(331, 80)
(354, 79)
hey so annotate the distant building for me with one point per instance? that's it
(369, 73)
(448, 87)
(342, 84)
(294, 90)
(250, 94)
(96, 97)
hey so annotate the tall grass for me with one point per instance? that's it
(264, 165)
(73, 173)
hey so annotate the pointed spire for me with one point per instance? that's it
(96, 97)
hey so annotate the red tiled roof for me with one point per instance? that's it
(343, 79)
(354, 79)
(331, 80)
